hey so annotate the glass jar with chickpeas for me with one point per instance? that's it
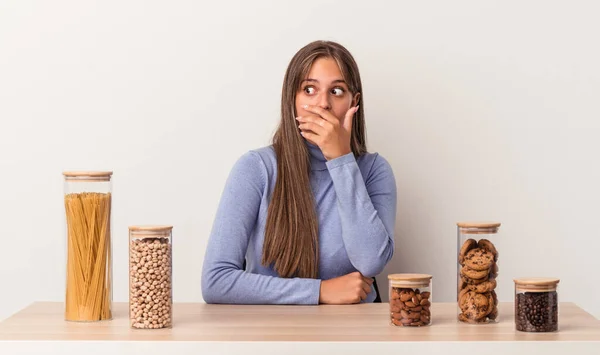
(150, 277)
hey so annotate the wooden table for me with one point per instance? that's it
(228, 329)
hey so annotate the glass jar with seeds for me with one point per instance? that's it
(536, 304)
(150, 277)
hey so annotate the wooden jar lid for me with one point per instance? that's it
(87, 175)
(478, 227)
(152, 231)
(409, 280)
(536, 284)
(151, 228)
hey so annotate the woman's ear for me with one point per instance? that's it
(355, 99)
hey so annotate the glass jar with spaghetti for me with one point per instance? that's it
(150, 277)
(87, 198)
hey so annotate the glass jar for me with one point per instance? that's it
(150, 277)
(477, 302)
(87, 198)
(536, 304)
(410, 299)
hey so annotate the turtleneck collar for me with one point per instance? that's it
(317, 159)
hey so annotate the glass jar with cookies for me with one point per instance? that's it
(410, 300)
(477, 272)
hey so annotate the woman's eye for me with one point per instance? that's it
(309, 90)
(337, 91)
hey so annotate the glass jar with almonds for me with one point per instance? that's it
(150, 277)
(410, 300)
(477, 272)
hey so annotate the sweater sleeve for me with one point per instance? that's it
(223, 279)
(367, 211)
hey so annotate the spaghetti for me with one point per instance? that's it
(88, 293)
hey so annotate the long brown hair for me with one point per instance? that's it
(291, 242)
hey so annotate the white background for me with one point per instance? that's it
(486, 110)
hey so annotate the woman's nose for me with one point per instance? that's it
(323, 101)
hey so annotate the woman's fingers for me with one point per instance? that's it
(348, 118)
(325, 114)
(363, 295)
(310, 136)
(313, 127)
(314, 119)
(366, 287)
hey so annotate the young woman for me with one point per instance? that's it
(309, 219)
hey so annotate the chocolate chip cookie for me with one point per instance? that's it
(475, 305)
(469, 273)
(489, 246)
(469, 281)
(466, 247)
(479, 259)
(486, 286)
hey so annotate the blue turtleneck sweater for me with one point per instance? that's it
(356, 209)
